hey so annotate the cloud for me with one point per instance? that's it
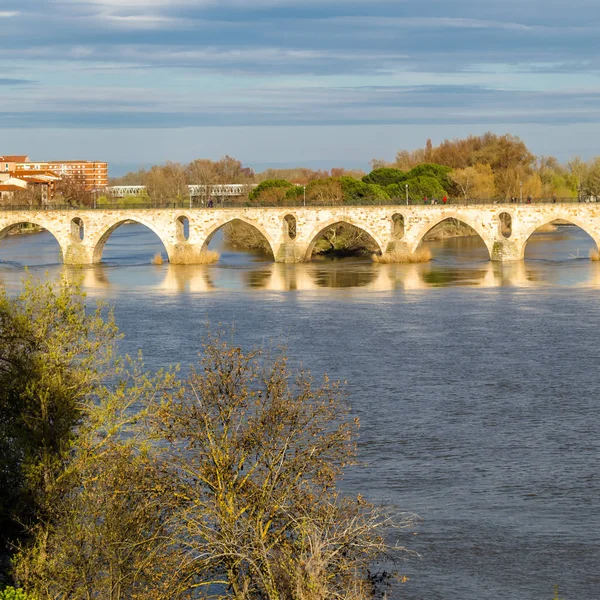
(14, 82)
(257, 63)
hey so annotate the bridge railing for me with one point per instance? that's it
(286, 203)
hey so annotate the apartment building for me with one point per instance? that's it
(92, 175)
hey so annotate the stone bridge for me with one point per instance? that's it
(293, 232)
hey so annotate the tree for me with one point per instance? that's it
(419, 187)
(167, 184)
(474, 182)
(255, 454)
(72, 190)
(220, 486)
(268, 184)
(385, 176)
(53, 357)
(323, 191)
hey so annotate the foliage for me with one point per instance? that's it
(385, 176)
(323, 192)
(345, 239)
(260, 192)
(53, 358)
(254, 454)
(11, 593)
(72, 190)
(140, 487)
(419, 187)
(358, 192)
(396, 190)
(474, 182)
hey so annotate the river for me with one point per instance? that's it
(476, 385)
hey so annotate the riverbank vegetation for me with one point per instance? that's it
(118, 483)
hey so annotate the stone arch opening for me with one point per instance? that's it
(77, 229)
(454, 237)
(397, 226)
(29, 243)
(340, 239)
(505, 224)
(182, 225)
(559, 240)
(290, 227)
(130, 241)
(238, 235)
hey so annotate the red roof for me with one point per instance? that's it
(10, 188)
(14, 158)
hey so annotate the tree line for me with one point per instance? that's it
(489, 166)
(118, 483)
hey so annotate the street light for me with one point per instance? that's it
(406, 186)
(304, 194)
(521, 184)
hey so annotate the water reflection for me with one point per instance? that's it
(176, 279)
(552, 260)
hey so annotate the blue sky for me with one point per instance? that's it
(320, 82)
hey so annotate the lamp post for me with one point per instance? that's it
(521, 186)
(406, 187)
(304, 194)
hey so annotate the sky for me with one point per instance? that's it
(293, 82)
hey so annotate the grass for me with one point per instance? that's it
(594, 255)
(203, 257)
(400, 257)
(206, 257)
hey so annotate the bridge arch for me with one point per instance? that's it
(213, 230)
(423, 231)
(318, 231)
(594, 235)
(100, 241)
(6, 228)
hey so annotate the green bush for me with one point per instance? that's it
(385, 177)
(11, 593)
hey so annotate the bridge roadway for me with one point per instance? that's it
(293, 232)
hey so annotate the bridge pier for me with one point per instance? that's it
(504, 250)
(291, 253)
(76, 253)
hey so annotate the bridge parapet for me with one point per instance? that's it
(293, 232)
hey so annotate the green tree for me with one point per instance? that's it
(269, 184)
(419, 187)
(385, 176)
(358, 192)
(53, 357)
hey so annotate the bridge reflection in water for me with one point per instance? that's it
(274, 277)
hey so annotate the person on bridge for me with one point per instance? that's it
(424, 199)
(445, 199)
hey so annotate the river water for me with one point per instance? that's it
(476, 385)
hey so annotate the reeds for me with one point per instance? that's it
(207, 257)
(422, 255)
(594, 255)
